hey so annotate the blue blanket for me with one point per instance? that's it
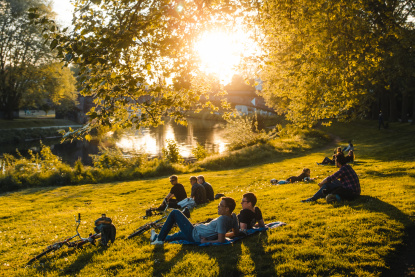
(232, 240)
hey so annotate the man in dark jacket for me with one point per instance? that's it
(198, 191)
(210, 195)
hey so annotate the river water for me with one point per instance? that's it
(208, 133)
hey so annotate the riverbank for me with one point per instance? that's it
(29, 123)
(359, 238)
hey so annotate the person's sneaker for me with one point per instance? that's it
(156, 242)
(186, 212)
(153, 235)
(331, 199)
(307, 200)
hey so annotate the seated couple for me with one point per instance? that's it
(349, 158)
(217, 229)
(201, 192)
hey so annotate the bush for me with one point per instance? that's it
(199, 152)
(243, 131)
(171, 152)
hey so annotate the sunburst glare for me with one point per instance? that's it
(221, 51)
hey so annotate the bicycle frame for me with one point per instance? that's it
(70, 244)
(154, 224)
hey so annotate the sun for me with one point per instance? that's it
(221, 52)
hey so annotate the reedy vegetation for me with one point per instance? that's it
(357, 238)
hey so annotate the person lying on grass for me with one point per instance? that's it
(250, 216)
(214, 231)
(344, 184)
(177, 193)
(305, 175)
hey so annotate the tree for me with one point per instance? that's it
(326, 59)
(50, 86)
(136, 58)
(238, 83)
(21, 50)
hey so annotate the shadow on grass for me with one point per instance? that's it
(369, 203)
(226, 256)
(82, 260)
(398, 173)
(398, 260)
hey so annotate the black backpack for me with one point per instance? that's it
(108, 231)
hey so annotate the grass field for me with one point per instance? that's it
(358, 238)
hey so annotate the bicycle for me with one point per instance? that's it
(70, 244)
(157, 224)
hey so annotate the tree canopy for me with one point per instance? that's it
(22, 49)
(323, 59)
(136, 58)
(330, 59)
(50, 85)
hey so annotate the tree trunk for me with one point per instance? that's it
(376, 107)
(384, 105)
(405, 105)
(393, 112)
(413, 109)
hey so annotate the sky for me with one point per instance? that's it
(216, 58)
(63, 9)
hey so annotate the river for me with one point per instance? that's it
(208, 133)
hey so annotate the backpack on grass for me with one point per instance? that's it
(108, 231)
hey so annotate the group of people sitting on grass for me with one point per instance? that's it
(228, 224)
(338, 151)
(343, 184)
(201, 192)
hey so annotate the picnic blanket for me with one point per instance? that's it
(234, 239)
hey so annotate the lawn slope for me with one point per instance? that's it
(358, 238)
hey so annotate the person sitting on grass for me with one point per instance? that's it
(348, 147)
(210, 195)
(350, 157)
(198, 191)
(344, 184)
(212, 232)
(250, 216)
(327, 160)
(177, 193)
(305, 175)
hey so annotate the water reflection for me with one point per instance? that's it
(152, 140)
(207, 133)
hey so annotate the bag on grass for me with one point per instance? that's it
(108, 231)
(187, 203)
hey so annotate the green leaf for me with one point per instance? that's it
(53, 44)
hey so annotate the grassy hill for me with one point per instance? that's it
(358, 238)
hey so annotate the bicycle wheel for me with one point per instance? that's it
(140, 230)
(39, 256)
